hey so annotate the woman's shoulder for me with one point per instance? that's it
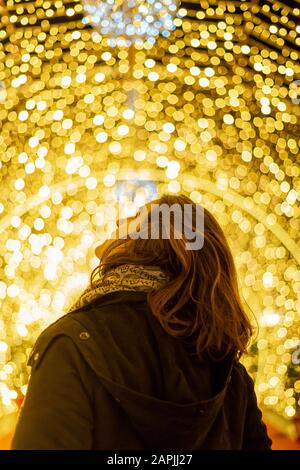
(74, 324)
(241, 379)
(67, 326)
(89, 333)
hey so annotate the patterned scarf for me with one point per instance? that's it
(127, 277)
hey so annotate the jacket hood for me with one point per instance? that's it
(123, 363)
(185, 425)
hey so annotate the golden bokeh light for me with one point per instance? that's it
(211, 111)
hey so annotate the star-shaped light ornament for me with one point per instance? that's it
(127, 22)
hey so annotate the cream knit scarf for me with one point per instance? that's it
(127, 277)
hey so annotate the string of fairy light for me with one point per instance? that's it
(210, 109)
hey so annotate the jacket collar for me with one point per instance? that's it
(116, 297)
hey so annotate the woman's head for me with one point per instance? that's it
(201, 301)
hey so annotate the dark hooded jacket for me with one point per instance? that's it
(107, 376)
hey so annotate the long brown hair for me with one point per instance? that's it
(201, 302)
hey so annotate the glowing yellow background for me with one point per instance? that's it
(214, 116)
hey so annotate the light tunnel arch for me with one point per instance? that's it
(158, 176)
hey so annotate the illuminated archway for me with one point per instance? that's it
(214, 116)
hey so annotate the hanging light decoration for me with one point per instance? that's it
(210, 111)
(126, 22)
